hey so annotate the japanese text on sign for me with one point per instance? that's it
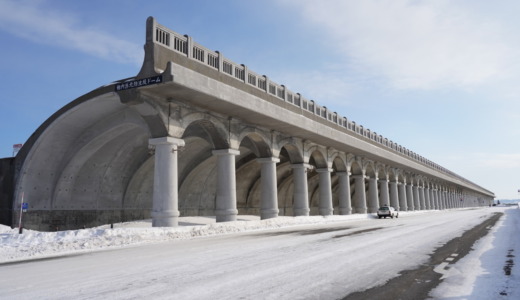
(138, 83)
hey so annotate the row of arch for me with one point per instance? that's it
(266, 172)
(107, 160)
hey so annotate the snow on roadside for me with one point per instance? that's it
(35, 244)
(481, 275)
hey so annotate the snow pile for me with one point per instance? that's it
(34, 244)
(482, 274)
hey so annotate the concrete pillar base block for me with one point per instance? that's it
(345, 211)
(326, 212)
(360, 210)
(165, 218)
(226, 215)
(372, 209)
(301, 212)
(268, 214)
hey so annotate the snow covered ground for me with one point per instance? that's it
(34, 244)
(480, 275)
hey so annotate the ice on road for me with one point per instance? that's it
(283, 258)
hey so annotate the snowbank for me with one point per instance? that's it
(34, 244)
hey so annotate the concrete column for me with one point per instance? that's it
(384, 193)
(409, 196)
(360, 204)
(422, 198)
(438, 199)
(403, 202)
(165, 206)
(345, 208)
(394, 195)
(427, 204)
(416, 200)
(226, 202)
(453, 200)
(301, 191)
(269, 191)
(326, 208)
(456, 200)
(373, 199)
(432, 199)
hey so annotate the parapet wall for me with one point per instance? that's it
(215, 60)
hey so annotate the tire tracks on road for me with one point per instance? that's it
(417, 283)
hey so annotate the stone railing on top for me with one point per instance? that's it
(214, 59)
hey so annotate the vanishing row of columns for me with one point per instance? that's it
(165, 211)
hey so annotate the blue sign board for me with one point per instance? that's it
(25, 206)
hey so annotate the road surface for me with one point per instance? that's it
(343, 260)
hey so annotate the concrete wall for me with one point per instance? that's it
(6, 190)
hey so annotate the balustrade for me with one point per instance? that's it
(185, 45)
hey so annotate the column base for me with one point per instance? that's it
(226, 215)
(372, 209)
(301, 212)
(165, 218)
(326, 211)
(268, 214)
(345, 211)
(360, 210)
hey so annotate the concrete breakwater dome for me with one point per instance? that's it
(196, 134)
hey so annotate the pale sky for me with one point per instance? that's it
(441, 78)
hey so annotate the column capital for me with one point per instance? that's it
(225, 151)
(166, 140)
(343, 173)
(324, 170)
(301, 166)
(359, 176)
(268, 160)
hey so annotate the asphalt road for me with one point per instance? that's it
(417, 283)
(368, 259)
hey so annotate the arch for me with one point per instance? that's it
(293, 148)
(318, 157)
(356, 167)
(339, 162)
(78, 166)
(370, 168)
(256, 141)
(108, 157)
(382, 170)
(208, 128)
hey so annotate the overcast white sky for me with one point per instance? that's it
(438, 77)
